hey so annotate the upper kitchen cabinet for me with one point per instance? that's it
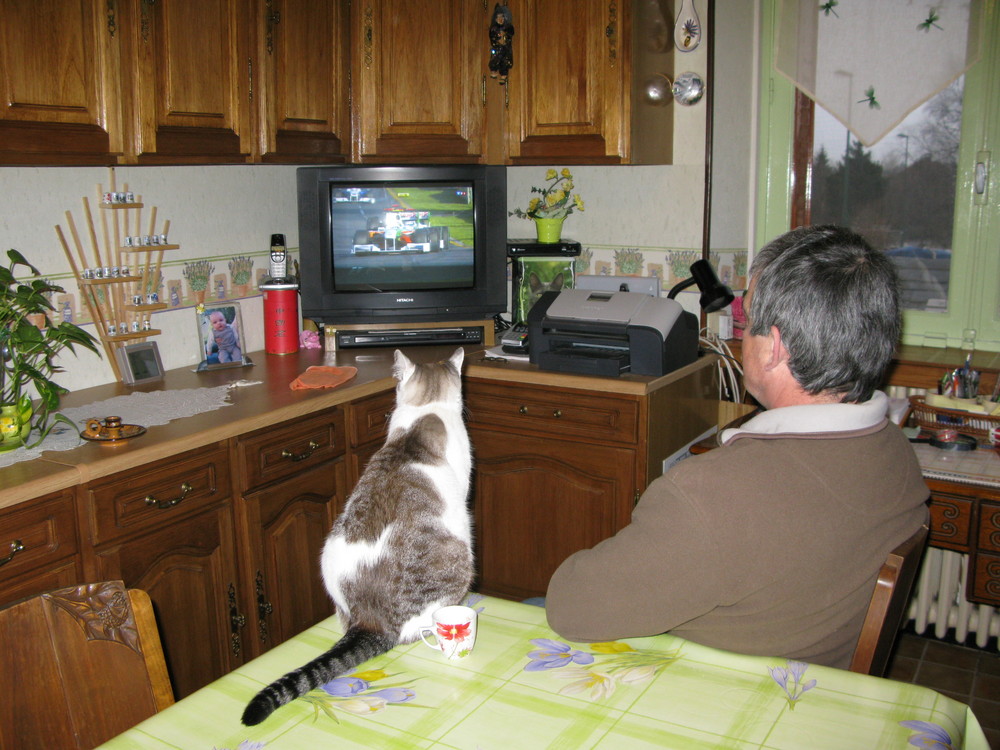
(417, 80)
(301, 81)
(569, 90)
(59, 71)
(187, 80)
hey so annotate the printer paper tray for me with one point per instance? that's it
(590, 360)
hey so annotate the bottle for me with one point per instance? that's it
(279, 258)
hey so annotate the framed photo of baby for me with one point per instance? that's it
(220, 335)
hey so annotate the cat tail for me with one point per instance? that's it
(356, 647)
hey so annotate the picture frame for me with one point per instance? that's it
(220, 336)
(139, 363)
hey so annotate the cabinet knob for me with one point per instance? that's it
(557, 413)
(523, 409)
(185, 489)
(313, 445)
(15, 547)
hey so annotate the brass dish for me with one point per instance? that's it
(110, 430)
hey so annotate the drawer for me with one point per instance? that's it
(597, 417)
(158, 492)
(288, 448)
(989, 526)
(951, 521)
(984, 579)
(369, 418)
(37, 533)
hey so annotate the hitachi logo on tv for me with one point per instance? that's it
(404, 299)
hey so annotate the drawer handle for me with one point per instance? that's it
(185, 489)
(557, 413)
(313, 445)
(15, 547)
(523, 410)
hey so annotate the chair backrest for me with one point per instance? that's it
(888, 605)
(79, 665)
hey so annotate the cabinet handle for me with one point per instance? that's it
(144, 22)
(611, 32)
(15, 547)
(368, 34)
(273, 18)
(523, 409)
(557, 413)
(236, 621)
(264, 608)
(185, 489)
(112, 24)
(313, 445)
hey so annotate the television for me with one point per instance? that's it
(402, 244)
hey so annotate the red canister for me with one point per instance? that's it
(281, 318)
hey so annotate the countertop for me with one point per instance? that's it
(272, 401)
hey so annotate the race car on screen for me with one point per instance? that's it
(401, 232)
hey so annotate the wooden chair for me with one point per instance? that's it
(888, 605)
(79, 665)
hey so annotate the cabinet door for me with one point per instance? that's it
(188, 80)
(287, 526)
(302, 81)
(538, 500)
(188, 568)
(569, 98)
(417, 85)
(59, 80)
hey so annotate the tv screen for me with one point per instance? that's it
(402, 236)
(400, 244)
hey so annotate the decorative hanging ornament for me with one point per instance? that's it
(687, 30)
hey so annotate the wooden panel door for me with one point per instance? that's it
(188, 81)
(287, 525)
(59, 82)
(538, 500)
(188, 568)
(569, 91)
(417, 80)
(302, 81)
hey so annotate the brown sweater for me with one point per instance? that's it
(769, 545)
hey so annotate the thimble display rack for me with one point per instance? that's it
(118, 270)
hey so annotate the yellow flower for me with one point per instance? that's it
(551, 174)
(370, 675)
(555, 200)
(610, 647)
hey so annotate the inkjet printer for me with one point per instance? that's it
(608, 333)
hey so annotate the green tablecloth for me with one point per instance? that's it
(524, 687)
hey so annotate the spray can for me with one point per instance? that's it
(281, 317)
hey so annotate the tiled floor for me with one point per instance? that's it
(967, 674)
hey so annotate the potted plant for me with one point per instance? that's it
(197, 274)
(553, 204)
(241, 269)
(27, 355)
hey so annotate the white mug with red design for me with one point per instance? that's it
(453, 631)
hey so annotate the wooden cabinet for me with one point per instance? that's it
(59, 78)
(301, 81)
(417, 86)
(293, 485)
(39, 547)
(368, 422)
(569, 90)
(558, 469)
(168, 529)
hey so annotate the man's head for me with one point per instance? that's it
(834, 302)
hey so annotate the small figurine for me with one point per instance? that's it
(501, 47)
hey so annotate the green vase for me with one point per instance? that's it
(549, 230)
(15, 424)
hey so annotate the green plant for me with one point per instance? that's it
(629, 260)
(28, 352)
(554, 201)
(240, 269)
(197, 274)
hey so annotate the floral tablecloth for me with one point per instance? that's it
(524, 687)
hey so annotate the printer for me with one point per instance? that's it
(609, 333)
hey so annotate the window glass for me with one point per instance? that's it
(899, 194)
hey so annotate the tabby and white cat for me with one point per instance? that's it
(402, 548)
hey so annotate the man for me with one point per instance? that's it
(771, 544)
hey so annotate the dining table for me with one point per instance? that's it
(523, 686)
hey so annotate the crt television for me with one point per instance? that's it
(399, 244)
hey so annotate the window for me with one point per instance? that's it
(913, 194)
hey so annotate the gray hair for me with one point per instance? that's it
(835, 301)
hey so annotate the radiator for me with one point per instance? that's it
(938, 602)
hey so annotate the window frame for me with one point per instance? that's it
(785, 154)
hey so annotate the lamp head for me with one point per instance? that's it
(714, 294)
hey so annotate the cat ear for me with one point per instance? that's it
(457, 358)
(403, 367)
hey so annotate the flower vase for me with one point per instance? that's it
(15, 424)
(549, 230)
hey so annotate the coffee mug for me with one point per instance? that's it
(453, 631)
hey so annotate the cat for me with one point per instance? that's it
(402, 547)
(536, 287)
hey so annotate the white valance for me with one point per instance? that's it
(872, 62)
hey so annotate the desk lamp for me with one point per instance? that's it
(714, 294)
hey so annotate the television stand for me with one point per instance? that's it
(411, 334)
